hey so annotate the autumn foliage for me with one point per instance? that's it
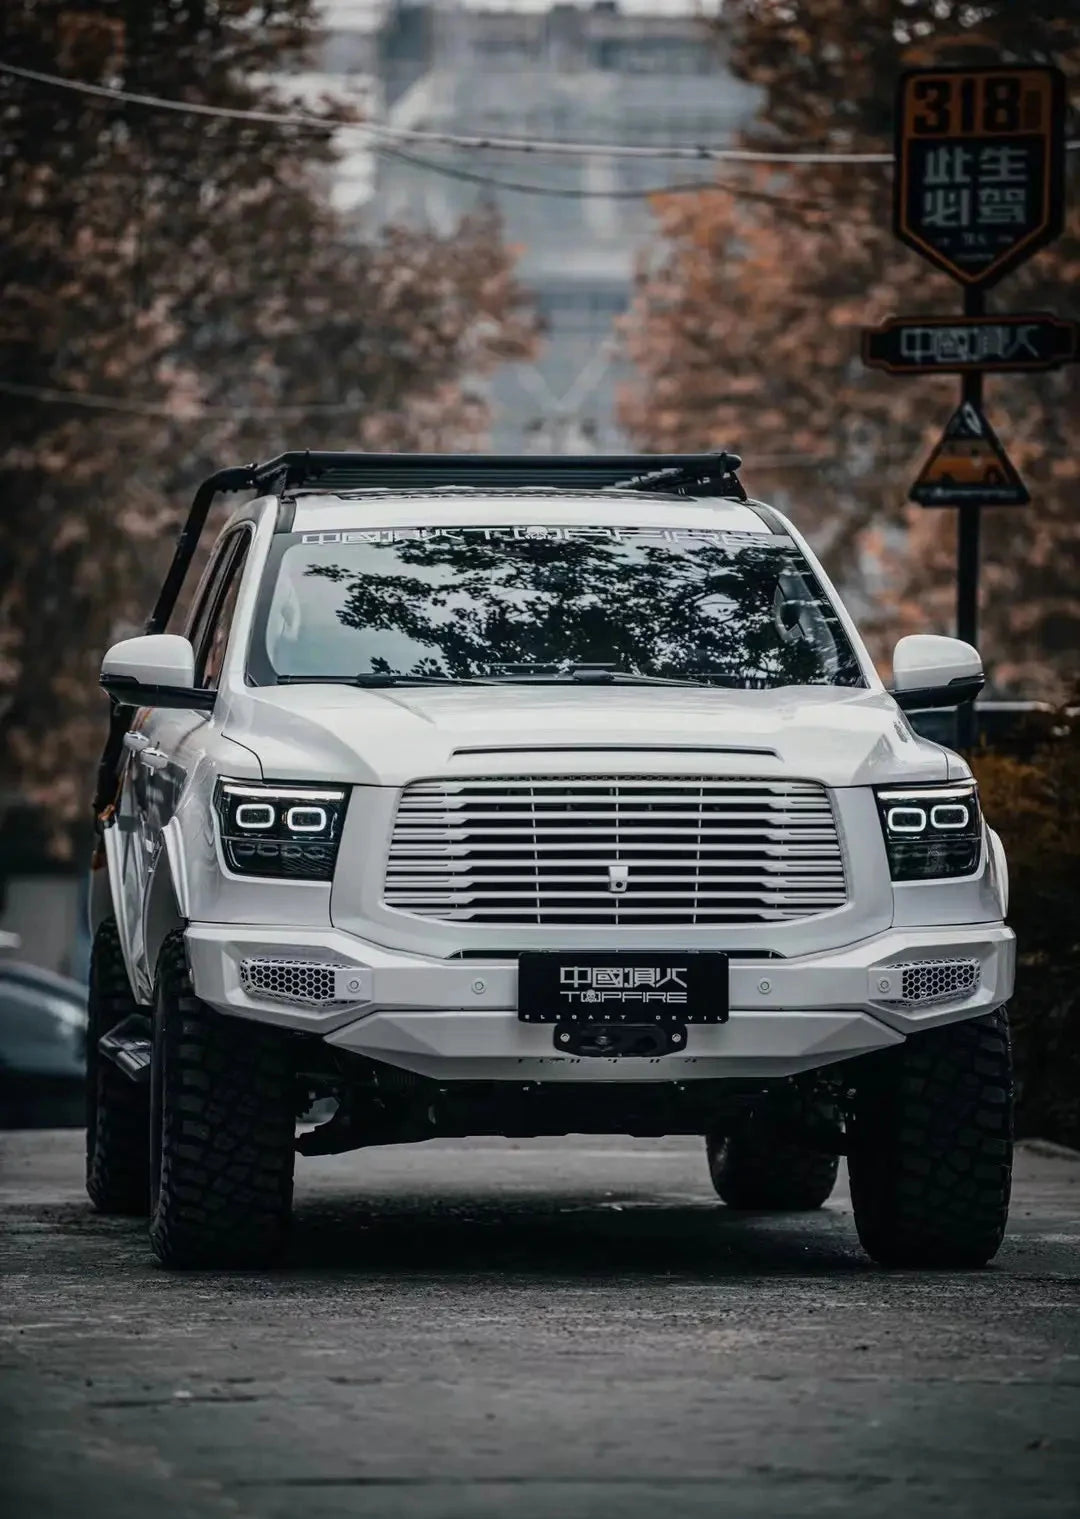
(188, 277)
(745, 332)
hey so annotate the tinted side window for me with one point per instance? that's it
(203, 611)
(214, 636)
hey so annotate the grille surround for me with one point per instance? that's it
(278, 979)
(529, 850)
(929, 983)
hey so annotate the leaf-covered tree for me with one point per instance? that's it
(746, 331)
(192, 268)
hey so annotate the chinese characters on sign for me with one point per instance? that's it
(590, 984)
(630, 986)
(981, 187)
(924, 345)
(980, 167)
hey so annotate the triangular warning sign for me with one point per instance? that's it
(969, 467)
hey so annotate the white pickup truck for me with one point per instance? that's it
(484, 795)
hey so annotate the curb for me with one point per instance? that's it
(1049, 1148)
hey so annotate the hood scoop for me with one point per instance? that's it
(614, 749)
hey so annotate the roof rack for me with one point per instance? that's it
(713, 474)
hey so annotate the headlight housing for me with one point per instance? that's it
(931, 831)
(284, 832)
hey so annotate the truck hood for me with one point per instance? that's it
(837, 735)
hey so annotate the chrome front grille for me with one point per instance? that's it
(631, 850)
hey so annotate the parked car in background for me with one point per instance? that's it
(42, 1048)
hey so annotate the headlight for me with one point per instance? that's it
(931, 831)
(287, 832)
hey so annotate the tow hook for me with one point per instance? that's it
(609, 1039)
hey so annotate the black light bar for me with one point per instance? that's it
(704, 474)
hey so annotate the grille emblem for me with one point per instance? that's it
(618, 879)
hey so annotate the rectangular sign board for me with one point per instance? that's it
(980, 166)
(956, 345)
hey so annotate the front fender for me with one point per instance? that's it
(999, 869)
(167, 895)
(107, 896)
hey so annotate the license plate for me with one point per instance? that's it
(662, 986)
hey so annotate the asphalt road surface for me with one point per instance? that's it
(570, 1328)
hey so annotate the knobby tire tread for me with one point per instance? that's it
(225, 1129)
(931, 1151)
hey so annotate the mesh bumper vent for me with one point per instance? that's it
(308, 981)
(924, 982)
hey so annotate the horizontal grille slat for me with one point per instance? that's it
(559, 850)
(548, 850)
(766, 833)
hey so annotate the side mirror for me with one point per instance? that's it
(931, 671)
(156, 670)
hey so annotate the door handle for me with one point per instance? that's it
(136, 742)
(153, 759)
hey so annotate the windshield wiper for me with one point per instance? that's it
(579, 675)
(375, 680)
(590, 675)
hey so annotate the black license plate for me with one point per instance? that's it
(661, 986)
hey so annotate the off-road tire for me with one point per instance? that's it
(931, 1146)
(117, 1108)
(222, 1129)
(759, 1169)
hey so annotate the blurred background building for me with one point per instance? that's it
(579, 73)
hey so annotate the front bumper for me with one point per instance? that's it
(457, 1019)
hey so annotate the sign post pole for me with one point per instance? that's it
(968, 524)
(967, 577)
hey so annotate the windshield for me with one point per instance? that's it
(524, 602)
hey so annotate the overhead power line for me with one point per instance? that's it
(576, 192)
(239, 413)
(381, 131)
(166, 414)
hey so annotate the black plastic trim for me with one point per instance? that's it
(772, 519)
(129, 693)
(955, 694)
